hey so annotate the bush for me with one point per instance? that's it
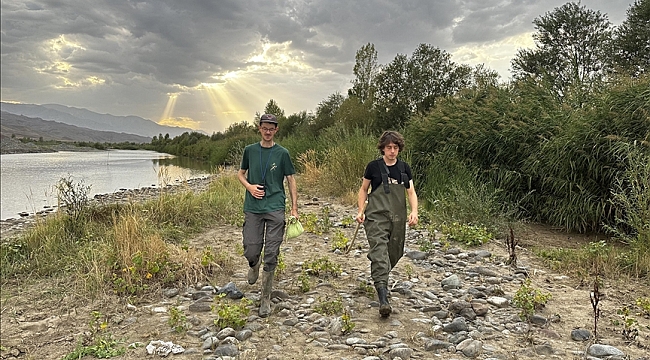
(339, 168)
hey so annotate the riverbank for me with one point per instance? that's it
(14, 146)
(450, 302)
(24, 220)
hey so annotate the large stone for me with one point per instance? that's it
(580, 335)
(435, 344)
(227, 350)
(451, 282)
(470, 348)
(498, 301)
(602, 351)
(456, 325)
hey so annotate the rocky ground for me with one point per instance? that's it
(450, 303)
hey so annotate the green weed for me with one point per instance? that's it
(230, 314)
(469, 235)
(329, 307)
(340, 241)
(99, 343)
(321, 267)
(529, 299)
(644, 304)
(348, 324)
(177, 320)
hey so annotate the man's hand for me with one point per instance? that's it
(413, 219)
(360, 217)
(256, 190)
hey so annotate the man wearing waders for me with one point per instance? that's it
(263, 169)
(390, 181)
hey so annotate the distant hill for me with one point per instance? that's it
(35, 128)
(88, 119)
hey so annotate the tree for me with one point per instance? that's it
(392, 103)
(572, 51)
(353, 114)
(292, 123)
(632, 40)
(431, 75)
(411, 85)
(272, 107)
(365, 70)
(326, 112)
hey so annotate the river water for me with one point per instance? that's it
(28, 180)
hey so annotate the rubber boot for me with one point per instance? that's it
(384, 306)
(267, 287)
(254, 272)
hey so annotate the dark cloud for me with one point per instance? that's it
(142, 50)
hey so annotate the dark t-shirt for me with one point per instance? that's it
(373, 173)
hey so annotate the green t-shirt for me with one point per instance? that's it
(266, 166)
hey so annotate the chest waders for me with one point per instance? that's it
(385, 225)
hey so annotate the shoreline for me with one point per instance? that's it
(24, 220)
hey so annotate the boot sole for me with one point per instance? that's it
(385, 311)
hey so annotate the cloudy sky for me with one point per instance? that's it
(206, 64)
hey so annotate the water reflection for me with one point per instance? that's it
(183, 162)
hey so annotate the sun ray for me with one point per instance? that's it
(169, 108)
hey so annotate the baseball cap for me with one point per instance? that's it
(268, 118)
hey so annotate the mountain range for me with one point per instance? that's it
(84, 118)
(34, 128)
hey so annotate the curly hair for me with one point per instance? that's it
(388, 137)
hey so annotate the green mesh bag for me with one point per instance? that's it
(294, 227)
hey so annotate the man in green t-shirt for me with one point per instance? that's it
(263, 169)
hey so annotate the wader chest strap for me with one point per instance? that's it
(384, 175)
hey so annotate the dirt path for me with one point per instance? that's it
(44, 319)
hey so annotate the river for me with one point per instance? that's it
(28, 180)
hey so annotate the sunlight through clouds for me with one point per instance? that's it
(58, 51)
(181, 122)
(495, 55)
(169, 108)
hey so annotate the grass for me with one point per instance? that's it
(128, 248)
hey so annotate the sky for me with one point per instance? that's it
(206, 64)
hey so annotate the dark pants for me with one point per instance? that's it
(263, 231)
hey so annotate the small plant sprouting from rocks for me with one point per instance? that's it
(177, 320)
(366, 289)
(331, 307)
(511, 244)
(644, 304)
(340, 241)
(239, 249)
(529, 299)
(426, 245)
(630, 325)
(325, 213)
(99, 343)
(347, 221)
(408, 268)
(230, 314)
(594, 296)
(314, 224)
(322, 267)
(304, 282)
(348, 324)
